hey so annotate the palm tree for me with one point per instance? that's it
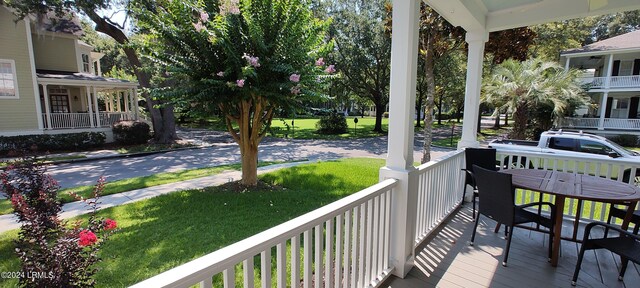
(524, 87)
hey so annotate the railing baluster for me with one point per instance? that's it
(328, 262)
(375, 233)
(295, 261)
(363, 242)
(354, 247)
(318, 259)
(229, 277)
(281, 265)
(265, 268)
(308, 259)
(247, 270)
(338, 256)
(347, 247)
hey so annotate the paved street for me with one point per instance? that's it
(86, 173)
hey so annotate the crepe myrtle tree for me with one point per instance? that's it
(244, 59)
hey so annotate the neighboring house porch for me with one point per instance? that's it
(612, 79)
(84, 101)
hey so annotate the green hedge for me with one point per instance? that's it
(51, 142)
(131, 132)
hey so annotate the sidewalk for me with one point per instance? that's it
(69, 210)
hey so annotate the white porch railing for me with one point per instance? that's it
(67, 120)
(83, 120)
(616, 81)
(440, 185)
(351, 235)
(107, 119)
(594, 123)
(587, 210)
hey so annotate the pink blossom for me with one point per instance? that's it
(220, 74)
(330, 69)
(295, 78)
(229, 7)
(204, 16)
(253, 61)
(295, 90)
(199, 27)
(240, 83)
(320, 62)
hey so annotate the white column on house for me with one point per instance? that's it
(127, 100)
(605, 95)
(399, 165)
(135, 103)
(47, 106)
(475, 58)
(566, 65)
(95, 102)
(118, 105)
(89, 105)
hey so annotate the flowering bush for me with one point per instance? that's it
(52, 253)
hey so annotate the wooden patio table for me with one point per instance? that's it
(578, 186)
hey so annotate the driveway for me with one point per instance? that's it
(220, 153)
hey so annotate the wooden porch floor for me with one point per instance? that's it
(447, 260)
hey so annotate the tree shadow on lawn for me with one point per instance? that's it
(161, 233)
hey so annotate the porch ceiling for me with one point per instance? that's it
(496, 15)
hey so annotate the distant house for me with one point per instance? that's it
(52, 83)
(612, 75)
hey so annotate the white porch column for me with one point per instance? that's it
(605, 95)
(127, 100)
(47, 107)
(118, 105)
(404, 58)
(89, 105)
(603, 110)
(475, 57)
(135, 104)
(95, 103)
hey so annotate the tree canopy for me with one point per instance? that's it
(244, 59)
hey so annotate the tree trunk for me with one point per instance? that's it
(520, 119)
(250, 117)
(418, 112)
(163, 119)
(496, 124)
(440, 112)
(431, 92)
(249, 154)
(380, 107)
(506, 117)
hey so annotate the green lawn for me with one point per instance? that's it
(163, 232)
(129, 184)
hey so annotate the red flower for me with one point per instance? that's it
(110, 224)
(87, 238)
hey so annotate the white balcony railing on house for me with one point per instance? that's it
(83, 120)
(615, 82)
(594, 123)
(587, 210)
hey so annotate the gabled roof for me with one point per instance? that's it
(625, 41)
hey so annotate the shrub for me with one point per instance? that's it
(333, 123)
(131, 132)
(385, 114)
(626, 140)
(52, 253)
(52, 142)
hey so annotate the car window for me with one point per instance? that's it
(562, 144)
(593, 147)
